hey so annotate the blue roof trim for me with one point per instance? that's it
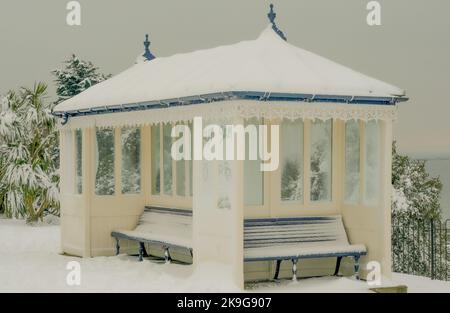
(232, 95)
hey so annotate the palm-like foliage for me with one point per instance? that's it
(29, 157)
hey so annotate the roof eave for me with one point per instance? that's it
(233, 95)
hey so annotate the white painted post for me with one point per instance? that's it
(218, 216)
(88, 186)
(385, 212)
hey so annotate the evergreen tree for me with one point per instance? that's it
(291, 182)
(75, 77)
(318, 175)
(415, 209)
(416, 194)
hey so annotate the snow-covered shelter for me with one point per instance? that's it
(335, 137)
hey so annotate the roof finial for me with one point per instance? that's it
(147, 54)
(272, 15)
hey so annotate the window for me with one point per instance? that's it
(352, 162)
(131, 160)
(320, 160)
(167, 159)
(104, 177)
(291, 160)
(191, 164)
(165, 169)
(372, 163)
(78, 162)
(69, 164)
(184, 171)
(156, 160)
(253, 176)
(367, 178)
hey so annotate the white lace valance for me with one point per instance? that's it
(227, 110)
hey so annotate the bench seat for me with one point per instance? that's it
(306, 251)
(265, 239)
(297, 238)
(166, 227)
(161, 239)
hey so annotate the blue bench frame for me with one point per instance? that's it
(142, 241)
(278, 259)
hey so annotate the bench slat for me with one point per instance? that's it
(264, 239)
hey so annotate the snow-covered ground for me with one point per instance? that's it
(30, 261)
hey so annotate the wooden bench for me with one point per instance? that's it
(265, 239)
(165, 227)
(278, 239)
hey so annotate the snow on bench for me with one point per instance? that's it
(169, 228)
(265, 239)
(298, 238)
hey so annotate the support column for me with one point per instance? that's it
(218, 215)
(88, 186)
(385, 213)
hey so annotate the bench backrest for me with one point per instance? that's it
(259, 232)
(173, 222)
(285, 231)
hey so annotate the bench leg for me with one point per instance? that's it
(277, 269)
(167, 257)
(142, 252)
(294, 269)
(338, 265)
(356, 257)
(117, 246)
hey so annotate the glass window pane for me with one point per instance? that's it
(352, 155)
(167, 158)
(191, 164)
(181, 178)
(291, 160)
(321, 138)
(131, 160)
(104, 177)
(69, 163)
(78, 162)
(253, 177)
(156, 159)
(372, 163)
(181, 175)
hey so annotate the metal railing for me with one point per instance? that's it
(421, 248)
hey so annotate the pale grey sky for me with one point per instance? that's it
(411, 49)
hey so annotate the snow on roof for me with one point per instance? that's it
(266, 64)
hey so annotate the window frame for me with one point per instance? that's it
(173, 200)
(120, 159)
(279, 208)
(362, 167)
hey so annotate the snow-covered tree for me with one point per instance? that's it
(28, 156)
(291, 182)
(415, 210)
(318, 174)
(76, 76)
(416, 194)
